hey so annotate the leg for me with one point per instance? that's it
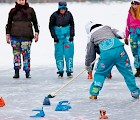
(124, 67)
(138, 59)
(17, 58)
(25, 48)
(136, 52)
(59, 57)
(69, 52)
(91, 56)
(134, 49)
(104, 67)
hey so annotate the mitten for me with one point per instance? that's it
(71, 38)
(56, 40)
(126, 41)
(88, 68)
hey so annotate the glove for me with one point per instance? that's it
(56, 40)
(71, 38)
(36, 37)
(126, 41)
(8, 38)
(88, 68)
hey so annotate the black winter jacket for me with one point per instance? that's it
(58, 19)
(20, 22)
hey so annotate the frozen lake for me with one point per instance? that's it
(23, 95)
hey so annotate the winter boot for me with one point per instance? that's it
(93, 97)
(69, 75)
(90, 75)
(16, 74)
(137, 74)
(28, 75)
(60, 76)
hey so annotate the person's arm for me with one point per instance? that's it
(90, 54)
(127, 26)
(118, 33)
(51, 25)
(72, 26)
(35, 24)
(9, 25)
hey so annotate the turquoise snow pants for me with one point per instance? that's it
(64, 49)
(109, 58)
(135, 45)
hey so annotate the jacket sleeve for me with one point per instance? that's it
(51, 25)
(9, 23)
(90, 54)
(72, 29)
(127, 26)
(118, 33)
(34, 20)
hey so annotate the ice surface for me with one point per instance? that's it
(23, 95)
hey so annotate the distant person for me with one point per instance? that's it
(19, 33)
(62, 30)
(112, 53)
(133, 29)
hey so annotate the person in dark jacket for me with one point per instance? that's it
(19, 33)
(61, 27)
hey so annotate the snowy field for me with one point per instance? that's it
(23, 95)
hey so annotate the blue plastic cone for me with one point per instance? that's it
(40, 114)
(46, 101)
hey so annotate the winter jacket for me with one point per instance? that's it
(102, 33)
(60, 20)
(20, 22)
(131, 22)
(96, 36)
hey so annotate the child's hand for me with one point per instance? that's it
(8, 38)
(36, 37)
(126, 41)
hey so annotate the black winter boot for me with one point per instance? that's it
(16, 74)
(69, 75)
(60, 76)
(137, 74)
(28, 75)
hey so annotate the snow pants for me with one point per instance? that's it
(64, 49)
(135, 45)
(109, 58)
(21, 47)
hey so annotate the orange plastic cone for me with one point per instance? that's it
(103, 114)
(2, 103)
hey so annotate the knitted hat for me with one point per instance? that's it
(62, 4)
(136, 2)
(91, 25)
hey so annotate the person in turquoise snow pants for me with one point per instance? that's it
(112, 53)
(61, 27)
(133, 30)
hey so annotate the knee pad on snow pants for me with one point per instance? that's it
(95, 88)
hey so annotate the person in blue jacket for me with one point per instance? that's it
(112, 53)
(62, 30)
